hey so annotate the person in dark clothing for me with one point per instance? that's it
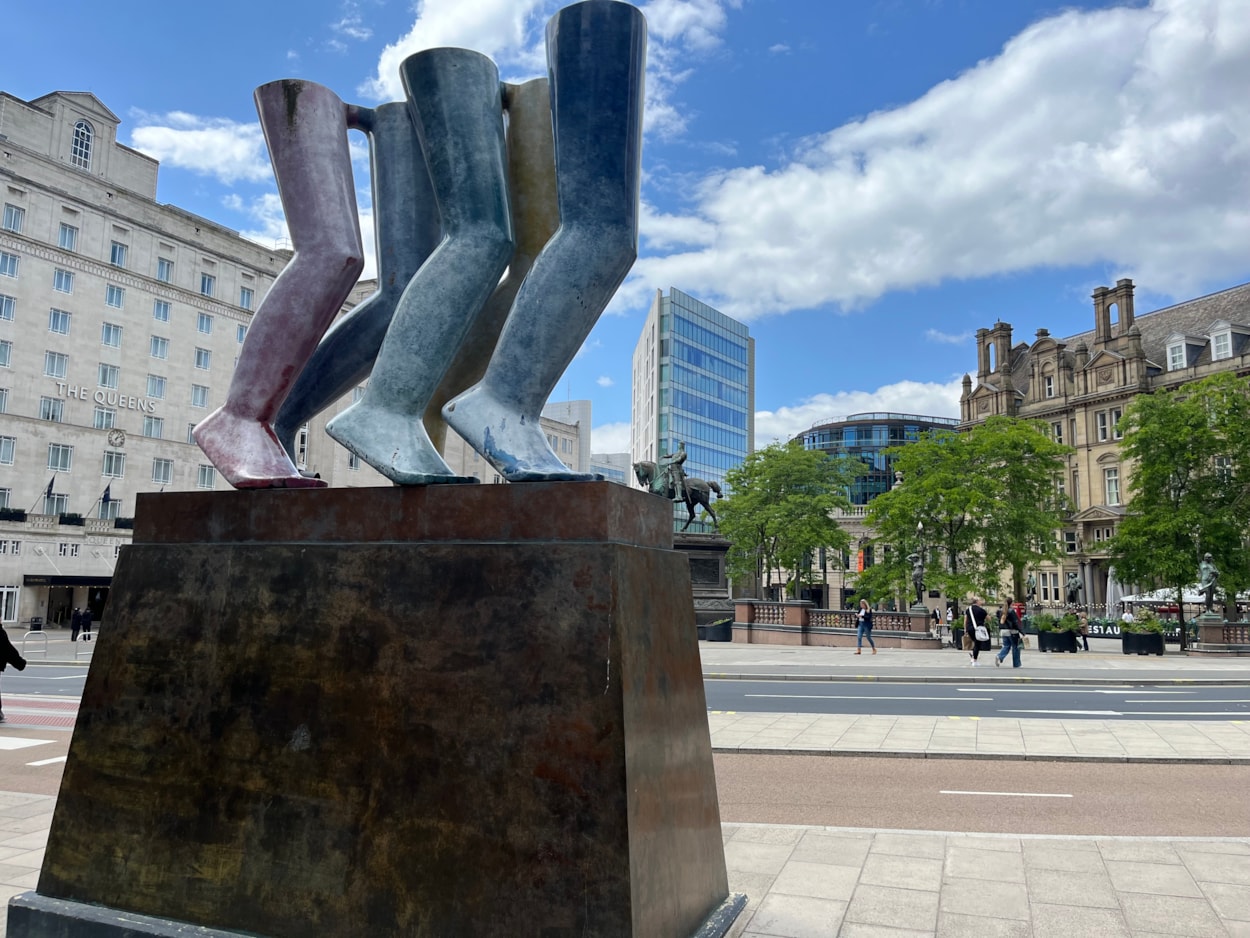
(974, 618)
(86, 622)
(75, 624)
(9, 655)
(1009, 630)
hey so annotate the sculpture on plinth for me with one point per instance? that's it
(1073, 587)
(917, 576)
(1208, 578)
(670, 481)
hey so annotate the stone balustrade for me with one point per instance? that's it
(760, 622)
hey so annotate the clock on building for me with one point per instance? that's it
(117, 438)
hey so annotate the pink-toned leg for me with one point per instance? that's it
(305, 128)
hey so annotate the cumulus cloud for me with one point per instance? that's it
(946, 338)
(610, 438)
(1117, 136)
(269, 226)
(604, 381)
(779, 48)
(212, 146)
(928, 399)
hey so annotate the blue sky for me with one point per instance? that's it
(865, 182)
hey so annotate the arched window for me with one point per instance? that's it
(80, 149)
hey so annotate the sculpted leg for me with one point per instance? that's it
(595, 55)
(407, 229)
(455, 100)
(305, 129)
(535, 217)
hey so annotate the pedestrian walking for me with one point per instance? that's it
(865, 628)
(974, 625)
(9, 655)
(1085, 630)
(86, 623)
(75, 624)
(1009, 631)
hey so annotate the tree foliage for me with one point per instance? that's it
(988, 501)
(781, 508)
(1189, 488)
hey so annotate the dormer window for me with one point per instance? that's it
(1048, 385)
(1221, 346)
(1176, 356)
(80, 148)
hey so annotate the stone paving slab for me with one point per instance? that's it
(903, 883)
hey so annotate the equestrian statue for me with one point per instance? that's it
(670, 481)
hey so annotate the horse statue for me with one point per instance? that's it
(696, 492)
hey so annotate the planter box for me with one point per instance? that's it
(1056, 641)
(1142, 643)
(724, 632)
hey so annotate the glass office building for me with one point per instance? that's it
(693, 382)
(866, 437)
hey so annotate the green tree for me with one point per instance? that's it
(1188, 487)
(781, 508)
(987, 499)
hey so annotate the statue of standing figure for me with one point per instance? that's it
(422, 321)
(917, 576)
(1208, 577)
(1073, 589)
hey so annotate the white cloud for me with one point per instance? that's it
(1118, 136)
(905, 397)
(270, 227)
(778, 48)
(604, 381)
(610, 438)
(212, 146)
(937, 335)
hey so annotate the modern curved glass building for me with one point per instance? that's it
(866, 437)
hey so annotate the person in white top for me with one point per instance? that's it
(1127, 615)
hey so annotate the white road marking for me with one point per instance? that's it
(1007, 794)
(869, 698)
(1082, 713)
(48, 761)
(1134, 713)
(17, 742)
(1071, 690)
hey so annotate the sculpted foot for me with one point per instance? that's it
(515, 445)
(394, 444)
(247, 453)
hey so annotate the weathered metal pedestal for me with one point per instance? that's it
(460, 710)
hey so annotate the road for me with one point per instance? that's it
(1057, 701)
(985, 795)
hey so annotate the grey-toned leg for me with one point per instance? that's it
(305, 128)
(456, 107)
(535, 218)
(407, 229)
(596, 53)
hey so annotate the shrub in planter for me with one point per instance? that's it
(1055, 635)
(1142, 636)
(12, 514)
(1044, 622)
(721, 630)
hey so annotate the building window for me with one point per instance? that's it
(51, 408)
(8, 306)
(114, 464)
(208, 284)
(60, 457)
(64, 548)
(110, 509)
(1111, 482)
(1103, 427)
(154, 427)
(206, 477)
(1176, 357)
(104, 418)
(14, 217)
(4, 405)
(117, 254)
(160, 310)
(245, 297)
(58, 321)
(1069, 542)
(8, 446)
(204, 323)
(1116, 414)
(55, 364)
(191, 434)
(353, 461)
(156, 387)
(1056, 430)
(62, 281)
(6, 500)
(6, 353)
(162, 471)
(1076, 491)
(55, 504)
(199, 395)
(114, 296)
(1221, 346)
(203, 359)
(164, 270)
(80, 148)
(109, 376)
(159, 347)
(1048, 383)
(8, 264)
(68, 238)
(301, 448)
(111, 335)
(240, 333)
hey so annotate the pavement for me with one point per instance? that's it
(807, 881)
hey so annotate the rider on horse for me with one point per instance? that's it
(674, 475)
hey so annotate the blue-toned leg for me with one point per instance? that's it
(407, 229)
(455, 102)
(596, 53)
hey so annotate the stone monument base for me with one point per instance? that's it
(457, 710)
